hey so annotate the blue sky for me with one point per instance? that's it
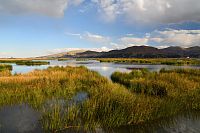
(40, 27)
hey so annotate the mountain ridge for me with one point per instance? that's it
(140, 52)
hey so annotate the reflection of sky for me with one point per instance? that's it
(25, 69)
(19, 119)
(105, 69)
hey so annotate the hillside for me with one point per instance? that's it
(64, 54)
(137, 52)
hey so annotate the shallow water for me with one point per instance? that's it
(24, 119)
(19, 119)
(189, 123)
(105, 69)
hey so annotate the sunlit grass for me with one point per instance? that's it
(108, 104)
(4, 67)
(24, 62)
(162, 61)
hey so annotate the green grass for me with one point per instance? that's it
(32, 63)
(4, 67)
(5, 70)
(108, 104)
(82, 59)
(159, 84)
(63, 59)
(25, 62)
(160, 61)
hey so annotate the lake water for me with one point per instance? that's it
(105, 69)
(24, 119)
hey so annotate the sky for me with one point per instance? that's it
(30, 28)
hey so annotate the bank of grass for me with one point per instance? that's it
(24, 62)
(108, 104)
(165, 83)
(160, 61)
(4, 67)
(5, 70)
(32, 63)
(63, 59)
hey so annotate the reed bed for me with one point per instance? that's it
(160, 61)
(4, 67)
(63, 59)
(24, 62)
(181, 85)
(108, 104)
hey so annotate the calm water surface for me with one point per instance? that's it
(105, 69)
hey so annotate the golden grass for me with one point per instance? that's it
(108, 104)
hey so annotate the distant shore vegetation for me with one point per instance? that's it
(26, 62)
(159, 61)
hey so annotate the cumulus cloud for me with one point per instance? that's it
(134, 41)
(184, 38)
(168, 37)
(150, 11)
(159, 39)
(143, 11)
(54, 8)
(108, 9)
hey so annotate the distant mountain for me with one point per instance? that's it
(139, 52)
(87, 54)
(135, 51)
(193, 51)
(64, 54)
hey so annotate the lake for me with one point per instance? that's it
(105, 69)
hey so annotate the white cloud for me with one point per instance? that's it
(108, 9)
(156, 39)
(159, 39)
(76, 2)
(94, 38)
(54, 8)
(184, 38)
(73, 34)
(150, 11)
(61, 50)
(134, 40)
(162, 39)
(142, 11)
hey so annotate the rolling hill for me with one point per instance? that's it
(136, 52)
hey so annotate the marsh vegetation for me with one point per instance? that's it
(4, 67)
(160, 61)
(5, 70)
(25, 62)
(135, 98)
